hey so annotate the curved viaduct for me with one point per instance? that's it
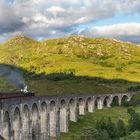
(42, 117)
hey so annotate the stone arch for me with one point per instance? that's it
(6, 126)
(44, 106)
(89, 104)
(17, 124)
(62, 103)
(53, 119)
(97, 104)
(71, 102)
(44, 121)
(63, 116)
(52, 106)
(26, 123)
(115, 101)
(72, 110)
(71, 106)
(124, 100)
(81, 106)
(35, 122)
(106, 101)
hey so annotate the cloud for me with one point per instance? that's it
(9, 21)
(57, 18)
(55, 10)
(125, 31)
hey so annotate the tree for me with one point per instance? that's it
(101, 124)
(101, 135)
(95, 134)
(135, 99)
(122, 130)
(133, 136)
(112, 129)
(134, 121)
(109, 127)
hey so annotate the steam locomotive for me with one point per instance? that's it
(28, 93)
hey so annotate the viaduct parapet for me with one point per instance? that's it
(43, 117)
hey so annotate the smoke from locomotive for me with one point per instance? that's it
(14, 76)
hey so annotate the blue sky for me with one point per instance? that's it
(119, 19)
(9, 1)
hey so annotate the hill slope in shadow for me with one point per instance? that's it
(66, 83)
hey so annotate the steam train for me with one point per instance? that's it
(11, 95)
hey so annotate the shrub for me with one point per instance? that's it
(109, 126)
(120, 68)
(134, 121)
(134, 88)
(112, 129)
(94, 134)
(133, 136)
(122, 130)
(135, 100)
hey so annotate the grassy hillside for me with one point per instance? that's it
(75, 64)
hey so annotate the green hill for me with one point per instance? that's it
(20, 41)
(75, 64)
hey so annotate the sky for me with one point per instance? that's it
(42, 19)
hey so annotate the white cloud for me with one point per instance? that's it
(125, 31)
(55, 10)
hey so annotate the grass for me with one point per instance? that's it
(104, 58)
(88, 121)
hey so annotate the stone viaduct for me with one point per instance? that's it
(43, 117)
